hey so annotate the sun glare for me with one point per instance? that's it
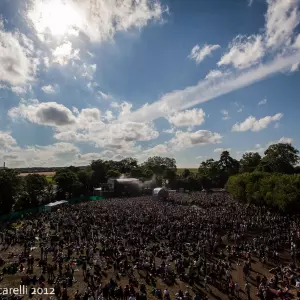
(58, 17)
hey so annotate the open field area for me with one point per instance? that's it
(47, 174)
(192, 170)
(197, 244)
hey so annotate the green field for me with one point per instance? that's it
(50, 178)
(192, 170)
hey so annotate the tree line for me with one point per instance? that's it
(253, 178)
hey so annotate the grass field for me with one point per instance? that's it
(49, 178)
(192, 170)
(49, 175)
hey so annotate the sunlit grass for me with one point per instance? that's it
(192, 170)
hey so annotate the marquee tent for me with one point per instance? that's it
(55, 205)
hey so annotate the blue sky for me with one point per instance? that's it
(82, 80)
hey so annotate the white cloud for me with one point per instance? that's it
(19, 90)
(170, 130)
(17, 64)
(189, 139)
(109, 115)
(286, 140)
(125, 108)
(261, 149)
(87, 158)
(281, 20)
(85, 126)
(157, 150)
(75, 110)
(239, 107)
(205, 90)
(6, 141)
(295, 67)
(201, 157)
(250, 2)
(64, 53)
(262, 102)
(88, 71)
(50, 89)
(198, 54)
(49, 113)
(46, 61)
(105, 96)
(251, 123)
(187, 118)
(90, 54)
(58, 154)
(296, 44)
(215, 74)
(100, 20)
(225, 114)
(218, 150)
(244, 52)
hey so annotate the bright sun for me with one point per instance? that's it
(58, 17)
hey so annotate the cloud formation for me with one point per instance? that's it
(244, 52)
(199, 54)
(220, 150)
(251, 123)
(18, 65)
(262, 102)
(189, 139)
(49, 89)
(49, 113)
(206, 90)
(99, 20)
(193, 117)
(86, 125)
(225, 114)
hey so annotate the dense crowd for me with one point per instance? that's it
(199, 239)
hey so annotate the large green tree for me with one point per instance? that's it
(186, 173)
(280, 158)
(36, 186)
(209, 173)
(128, 164)
(99, 172)
(85, 179)
(158, 165)
(227, 166)
(68, 184)
(249, 162)
(10, 185)
(113, 174)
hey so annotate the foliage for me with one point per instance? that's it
(280, 158)
(158, 165)
(272, 180)
(10, 185)
(36, 186)
(186, 173)
(68, 185)
(280, 191)
(113, 174)
(249, 162)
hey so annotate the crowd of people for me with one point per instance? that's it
(195, 246)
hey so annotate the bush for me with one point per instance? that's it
(280, 191)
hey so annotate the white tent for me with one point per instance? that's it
(54, 205)
(160, 193)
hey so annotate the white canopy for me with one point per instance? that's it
(160, 193)
(56, 203)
